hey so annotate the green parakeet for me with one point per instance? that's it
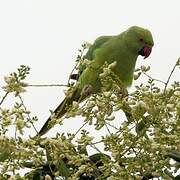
(123, 48)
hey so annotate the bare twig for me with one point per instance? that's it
(80, 128)
(112, 126)
(172, 71)
(93, 143)
(108, 129)
(46, 85)
(15, 133)
(2, 100)
(158, 80)
(94, 147)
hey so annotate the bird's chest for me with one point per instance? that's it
(125, 64)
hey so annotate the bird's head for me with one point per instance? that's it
(139, 41)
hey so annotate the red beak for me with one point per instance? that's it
(147, 51)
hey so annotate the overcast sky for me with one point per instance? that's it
(46, 34)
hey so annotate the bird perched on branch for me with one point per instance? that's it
(123, 49)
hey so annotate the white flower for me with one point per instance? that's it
(107, 94)
(75, 104)
(143, 68)
(110, 118)
(112, 65)
(47, 177)
(136, 76)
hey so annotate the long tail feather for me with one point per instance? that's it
(60, 111)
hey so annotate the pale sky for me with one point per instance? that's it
(46, 34)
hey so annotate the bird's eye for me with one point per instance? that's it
(141, 39)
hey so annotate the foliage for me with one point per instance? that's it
(141, 147)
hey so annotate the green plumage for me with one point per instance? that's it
(123, 48)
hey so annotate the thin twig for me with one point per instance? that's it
(80, 128)
(158, 80)
(121, 129)
(130, 147)
(108, 129)
(93, 143)
(15, 133)
(29, 118)
(2, 100)
(166, 84)
(72, 72)
(46, 85)
(81, 55)
(93, 146)
(112, 126)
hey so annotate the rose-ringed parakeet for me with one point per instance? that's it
(123, 48)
